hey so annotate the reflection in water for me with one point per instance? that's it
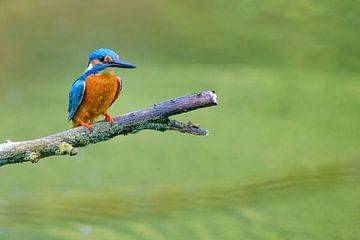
(87, 206)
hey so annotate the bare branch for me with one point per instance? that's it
(151, 118)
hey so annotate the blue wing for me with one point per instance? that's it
(75, 96)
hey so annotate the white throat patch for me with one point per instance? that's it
(89, 67)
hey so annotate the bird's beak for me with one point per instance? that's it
(120, 64)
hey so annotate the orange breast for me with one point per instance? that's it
(100, 91)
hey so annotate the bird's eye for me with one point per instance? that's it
(101, 59)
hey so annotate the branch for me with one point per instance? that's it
(151, 118)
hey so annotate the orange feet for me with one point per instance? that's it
(86, 124)
(108, 118)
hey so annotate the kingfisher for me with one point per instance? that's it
(92, 94)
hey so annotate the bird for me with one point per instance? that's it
(92, 94)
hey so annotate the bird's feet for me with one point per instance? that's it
(87, 125)
(108, 118)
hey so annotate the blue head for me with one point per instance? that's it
(103, 58)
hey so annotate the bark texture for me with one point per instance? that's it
(155, 117)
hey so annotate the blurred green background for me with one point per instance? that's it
(282, 157)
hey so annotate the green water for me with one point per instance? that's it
(282, 157)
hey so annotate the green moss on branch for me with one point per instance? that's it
(151, 118)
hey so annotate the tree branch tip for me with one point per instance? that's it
(189, 127)
(214, 98)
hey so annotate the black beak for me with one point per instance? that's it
(120, 64)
